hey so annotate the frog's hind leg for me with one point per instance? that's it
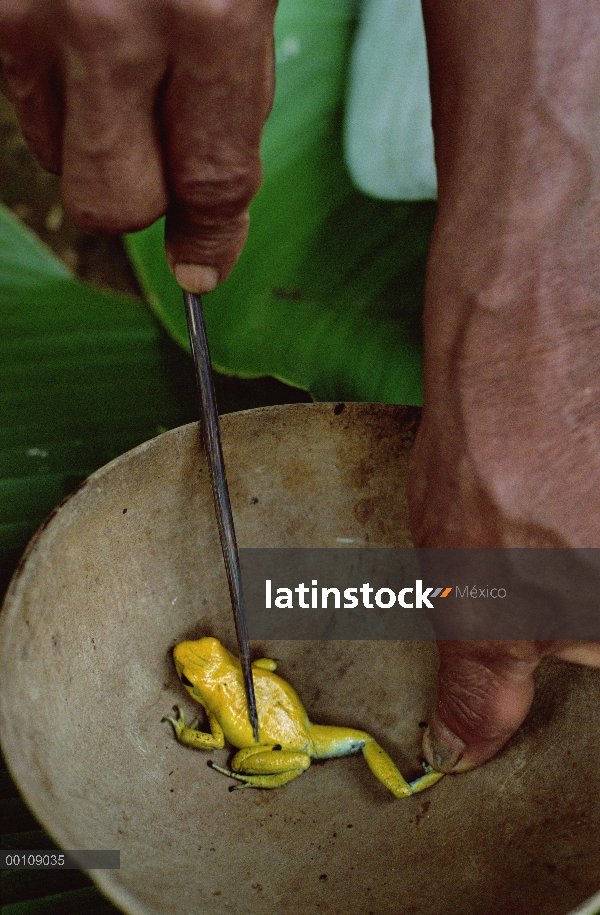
(266, 767)
(330, 741)
(258, 781)
(335, 741)
(385, 769)
(269, 760)
(429, 778)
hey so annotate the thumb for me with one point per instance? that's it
(485, 691)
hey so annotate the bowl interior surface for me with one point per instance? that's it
(131, 564)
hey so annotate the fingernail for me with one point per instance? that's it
(195, 278)
(443, 749)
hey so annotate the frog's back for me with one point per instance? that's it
(281, 715)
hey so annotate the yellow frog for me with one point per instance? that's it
(288, 741)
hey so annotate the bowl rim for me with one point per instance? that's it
(107, 880)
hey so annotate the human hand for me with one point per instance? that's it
(485, 692)
(507, 456)
(146, 108)
(508, 453)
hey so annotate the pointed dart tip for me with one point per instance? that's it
(254, 723)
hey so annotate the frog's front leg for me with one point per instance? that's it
(266, 767)
(198, 739)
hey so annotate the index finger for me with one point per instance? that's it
(217, 99)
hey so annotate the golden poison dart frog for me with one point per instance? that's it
(288, 741)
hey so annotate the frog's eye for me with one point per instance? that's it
(185, 680)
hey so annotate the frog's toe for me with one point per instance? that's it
(222, 769)
(178, 722)
(427, 780)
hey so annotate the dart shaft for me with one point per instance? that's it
(209, 421)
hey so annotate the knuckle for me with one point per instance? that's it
(90, 216)
(196, 239)
(110, 43)
(221, 192)
(93, 16)
(229, 15)
(218, 10)
(101, 29)
(98, 216)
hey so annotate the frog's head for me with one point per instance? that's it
(200, 663)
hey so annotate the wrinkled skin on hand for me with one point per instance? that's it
(508, 453)
(485, 691)
(146, 108)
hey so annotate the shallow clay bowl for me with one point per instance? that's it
(130, 565)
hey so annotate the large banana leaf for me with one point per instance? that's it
(84, 376)
(327, 293)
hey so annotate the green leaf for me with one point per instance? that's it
(388, 135)
(34, 261)
(327, 293)
(84, 376)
